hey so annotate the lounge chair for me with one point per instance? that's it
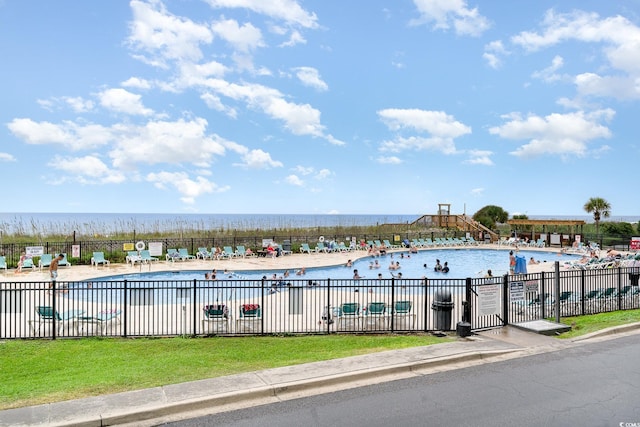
(98, 258)
(349, 313)
(375, 317)
(403, 318)
(250, 319)
(173, 255)
(203, 253)
(46, 315)
(216, 316)
(184, 253)
(45, 261)
(228, 253)
(133, 257)
(97, 323)
(3, 263)
(242, 252)
(389, 245)
(146, 257)
(304, 247)
(28, 263)
(320, 247)
(63, 262)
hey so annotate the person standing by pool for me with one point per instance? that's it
(512, 263)
(438, 266)
(53, 269)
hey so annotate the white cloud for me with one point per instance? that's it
(87, 170)
(451, 13)
(619, 38)
(295, 38)
(258, 159)
(294, 180)
(171, 142)
(287, 10)
(299, 119)
(323, 173)
(72, 135)
(493, 53)
(479, 157)
(161, 36)
(557, 134)
(189, 188)
(437, 123)
(78, 104)
(6, 157)
(477, 191)
(390, 160)
(304, 170)
(245, 38)
(310, 76)
(442, 127)
(136, 82)
(549, 74)
(123, 101)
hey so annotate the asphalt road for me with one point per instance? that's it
(596, 384)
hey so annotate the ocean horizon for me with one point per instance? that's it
(36, 223)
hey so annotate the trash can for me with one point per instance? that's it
(633, 277)
(442, 307)
(286, 246)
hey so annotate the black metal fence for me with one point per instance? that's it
(134, 308)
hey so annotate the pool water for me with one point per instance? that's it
(462, 263)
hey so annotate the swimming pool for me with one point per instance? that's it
(462, 262)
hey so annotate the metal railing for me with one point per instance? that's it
(136, 308)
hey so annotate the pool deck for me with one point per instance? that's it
(291, 262)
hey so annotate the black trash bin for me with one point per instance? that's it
(442, 307)
(633, 277)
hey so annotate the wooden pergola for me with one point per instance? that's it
(545, 223)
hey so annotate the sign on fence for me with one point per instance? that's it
(32, 251)
(516, 291)
(155, 248)
(488, 300)
(635, 243)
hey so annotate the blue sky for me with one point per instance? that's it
(319, 107)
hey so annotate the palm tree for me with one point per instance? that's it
(600, 208)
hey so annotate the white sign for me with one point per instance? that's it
(32, 251)
(531, 287)
(488, 300)
(516, 291)
(155, 248)
(75, 251)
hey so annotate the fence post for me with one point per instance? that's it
(329, 309)
(505, 299)
(262, 316)
(125, 300)
(582, 301)
(557, 291)
(54, 303)
(195, 306)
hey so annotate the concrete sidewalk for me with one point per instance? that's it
(172, 402)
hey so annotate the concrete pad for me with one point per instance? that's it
(543, 327)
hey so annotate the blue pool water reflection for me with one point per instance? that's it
(463, 263)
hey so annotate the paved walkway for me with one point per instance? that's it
(172, 402)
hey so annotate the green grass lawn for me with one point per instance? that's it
(36, 372)
(582, 325)
(41, 371)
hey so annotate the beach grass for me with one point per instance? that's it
(582, 325)
(45, 371)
